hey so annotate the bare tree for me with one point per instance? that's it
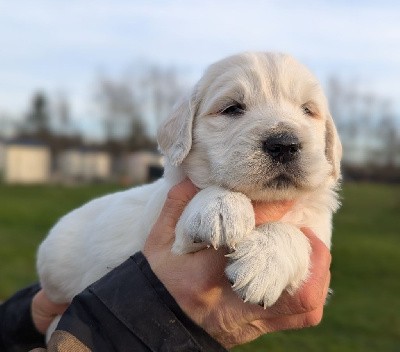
(129, 104)
(387, 131)
(63, 113)
(7, 125)
(163, 87)
(369, 129)
(343, 105)
(119, 108)
(38, 118)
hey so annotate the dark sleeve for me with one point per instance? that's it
(129, 309)
(17, 332)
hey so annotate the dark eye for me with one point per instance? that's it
(307, 110)
(235, 109)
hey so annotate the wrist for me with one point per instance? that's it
(197, 297)
(181, 299)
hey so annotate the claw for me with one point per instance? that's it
(197, 240)
(263, 305)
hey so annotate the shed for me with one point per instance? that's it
(25, 162)
(85, 164)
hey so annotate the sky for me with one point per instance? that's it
(62, 46)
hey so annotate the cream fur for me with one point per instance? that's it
(223, 156)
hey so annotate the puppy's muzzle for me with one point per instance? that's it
(282, 147)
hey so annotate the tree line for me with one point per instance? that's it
(369, 127)
(129, 107)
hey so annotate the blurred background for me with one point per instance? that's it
(84, 84)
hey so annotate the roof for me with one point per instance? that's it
(26, 142)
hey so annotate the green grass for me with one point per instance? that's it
(364, 314)
(26, 215)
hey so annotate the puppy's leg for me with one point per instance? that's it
(273, 258)
(215, 216)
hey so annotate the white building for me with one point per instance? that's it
(140, 166)
(25, 162)
(85, 165)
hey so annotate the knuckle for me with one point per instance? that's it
(174, 192)
(320, 247)
(309, 299)
(326, 254)
(180, 194)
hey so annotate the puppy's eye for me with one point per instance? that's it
(307, 110)
(235, 109)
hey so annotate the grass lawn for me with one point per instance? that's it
(364, 313)
(26, 215)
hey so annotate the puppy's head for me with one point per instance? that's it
(256, 123)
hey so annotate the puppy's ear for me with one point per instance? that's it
(174, 136)
(333, 147)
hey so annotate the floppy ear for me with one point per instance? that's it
(174, 136)
(333, 147)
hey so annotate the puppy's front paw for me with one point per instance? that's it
(275, 257)
(216, 217)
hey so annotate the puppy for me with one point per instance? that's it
(256, 127)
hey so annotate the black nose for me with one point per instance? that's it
(282, 147)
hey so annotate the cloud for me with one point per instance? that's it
(62, 44)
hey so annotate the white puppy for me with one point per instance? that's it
(256, 127)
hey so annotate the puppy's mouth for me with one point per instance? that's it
(282, 181)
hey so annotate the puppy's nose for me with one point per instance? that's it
(282, 147)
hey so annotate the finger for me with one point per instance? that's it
(177, 199)
(48, 306)
(320, 256)
(270, 211)
(294, 322)
(327, 289)
(44, 311)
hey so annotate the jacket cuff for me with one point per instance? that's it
(130, 306)
(17, 330)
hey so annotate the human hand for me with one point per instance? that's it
(198, 283)
(44, 311)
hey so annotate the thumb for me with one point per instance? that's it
(271, 211)
(44, 311)
(163, 231)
